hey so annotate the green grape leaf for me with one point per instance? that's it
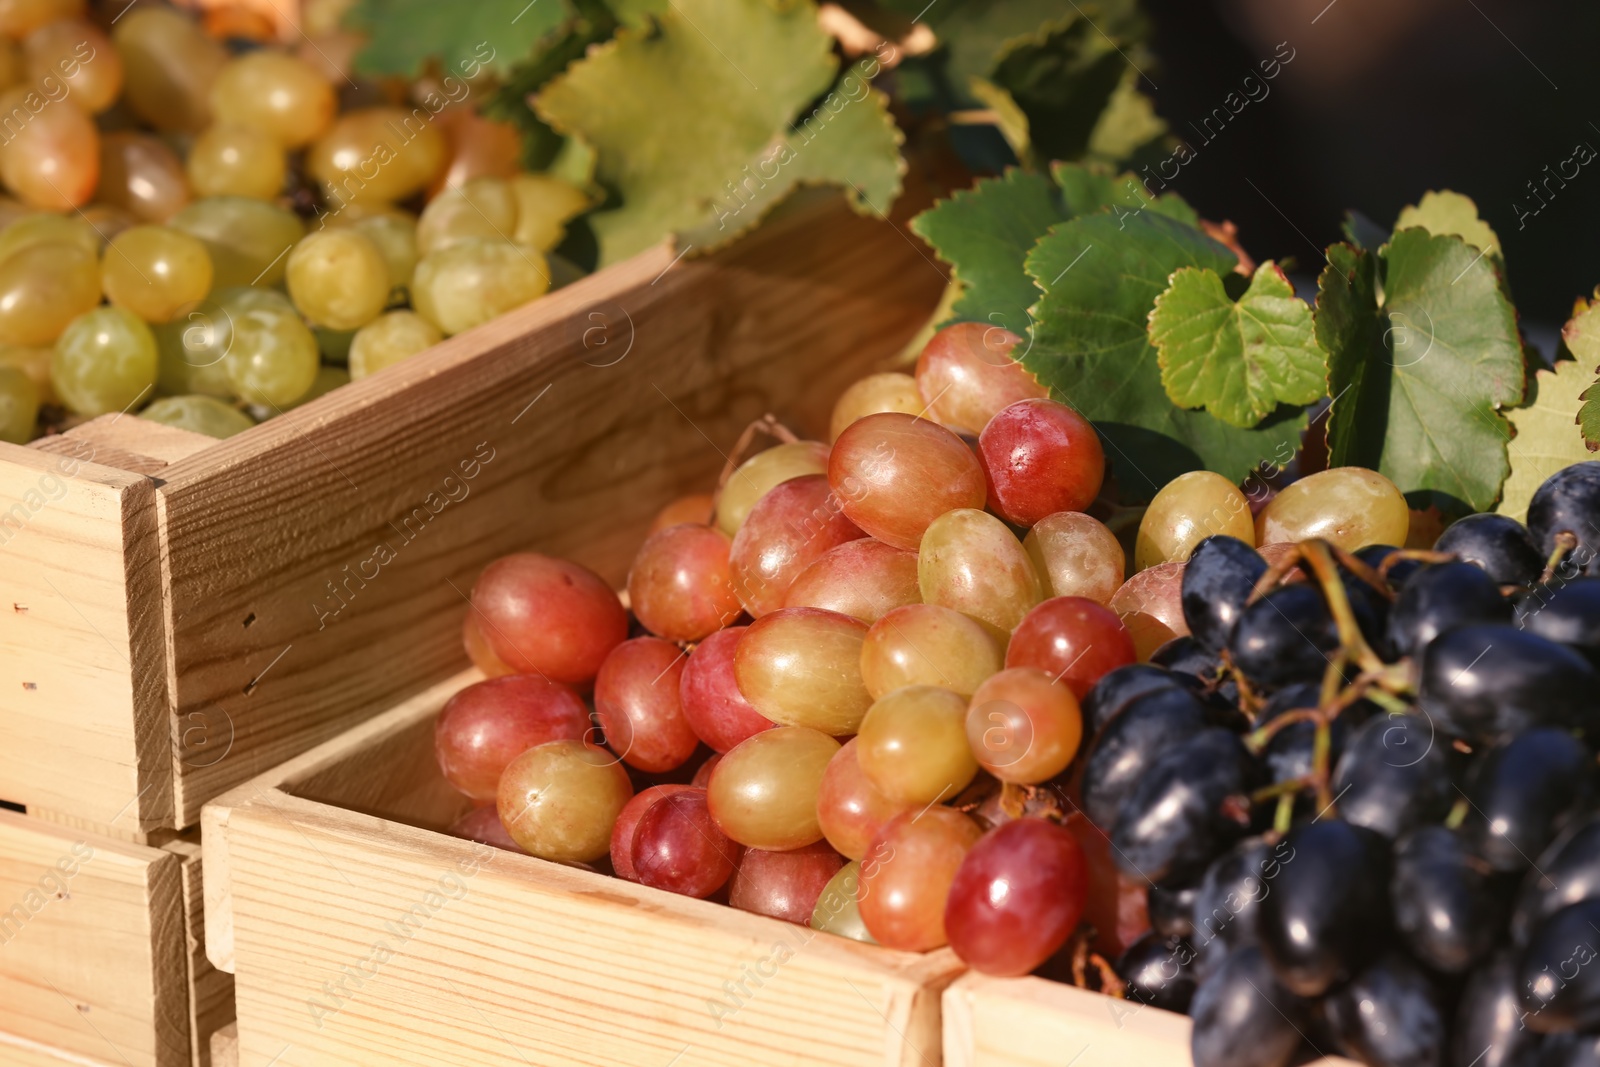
(1362, 232)
(1089, 187)
(1419, 365)
(694, 118)
(1581, 335)
(1100, 276)
(1128, 123)
(1061, 78)
(1237, 359)
(403, 35)
(1445, 212)
(1547, 433)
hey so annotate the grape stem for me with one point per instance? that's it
(1566, 541)
(767, 424)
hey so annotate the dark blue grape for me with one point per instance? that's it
(1442, 597)
(1170, 907)
(1445, 905)
(1328, 913)
(1220, 576)
(1390, 1015)
(1184, 655)
(1558, 974)
(1159, 972)
(1520, 789)
(1484, 683)
(1115, 689)
(1130, 743)
(1569, 502)
(1244, 1017)
(1285, 637)
(1289, 754)
(1565, 612)
(1374, 555)
(1499, 544)
(1570, 1050)
(1394, 775)
(1228, 896)
(1176, 818)
(1488, 1024)
(1566, 872)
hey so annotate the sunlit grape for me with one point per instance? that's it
(544, 207)
(680, 585)
(249, 240)
(470, 283)
(19, 405)
(198, 414)
(171, 64)
(837, 911)
(906, 876)
(105, 360)
(276, 93)
(636, 698)
(381, 154)
(763, 793)
(479, 146)
(1151, 607)
(1187, 510)
(273, 357)
(18, 18)
(678, 847)
(561, 800)
(970, 561)
(966, 375)
(925, 644)
(482, 208)
(396, 237)
(480, 652)
(628, 821)
(1040, 457)
(802, 667)
(33, 361)
(851, 809)
(156, 272)
(788, 529)
(692, 507)
(488, 724)
(753, 478)
(43, 288)
(388, 339)
(547, 616)
(1075, 555)
(890, 391)
(80, 55)
(193, 348)
(1352, 507)
(52, 160)
(141, 174)
(894, 474)
(37, 228)
(1073, 640)
(236, 161)
(913, 745)
(1017, 897)
(338, 278)
(1023, 726)
(785, 885)
(864, 578)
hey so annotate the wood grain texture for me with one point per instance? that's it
(20, 1052)
(132, 435)
(92, 956)
(225, 1046)
(357, 940)
(209, 992)
(320, 562)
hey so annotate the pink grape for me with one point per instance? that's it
(864, 578)
(1076, 556)
(1150, 605)
(677, 847)
(702, 774)
(966, 376)
(560, 801)
(483, 826)
(488, 724)
(850, 809)
(1017, 897)
(764, 793)
(1040, 457)
(793, 524)
(784, 885)
(894, 474)
(680, 586)
(636, 699)
(1023, 727)
(906, 876)
(709, 693)
(548, 616)
(1074, 640)
(478, 649)
(925, 644)
(693, 508)
(628, 821)
(802, 667)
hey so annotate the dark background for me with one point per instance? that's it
(1386, 99)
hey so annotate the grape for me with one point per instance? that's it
(1126, 748)
(702, 774)
(1351, 507)
(1016, 897)
(1174, 820)
(1228, 899)
(636, 701)
(544, 205)
(1118, 688)
(890, 391)
(273, 356)
(80, 55)
(193, 351)
(1499, 544)
(43, 288)
(327, 380)
(1567, 613)
(850, 808)
(470, 283)
(171, 66)
(971, 562)
(907, 873)
(627, 823)
(1075, 555)
(1520, 790)
(483, 826)
(338, 278)
(548, 616)
(1327, 915)
(784, 885)
(1285, 637)
(396, 237)
(478, 650)
(862, 578)
(1390, 1013)
(1569, 1050)
(561, 799)
(1566, 872)
(277, 93)
(389, 339)
(1022, 726)
(1221, 574)
(1289, 756)
(1244, 1017)
(19, 18)
(894, 474)
(141, 175)
(1159, 972)
(1553, 1000)
(156, 272)
(248, 240)
(837, 911)
(1483, 683)
(924, 644)
(1445, 907)
(1438, 597)
(41, 227)
(802, 667)
(1074, 640)
(677, 846)
(1400, 571)
(52, 161)
(381, 154)
(913, 745)
(788, 529)
(488, 724)
(966, 376)
(764, 791)
(198, 414)
(1150, 605)
(19, 406)
(756, 476)
(1187, 510)
(1490, 1027)
(1394, 775)
(1568, 502)
(482, 208)
(104, 362)
(709, 693)
(236, 161)
(680, 585)
(693, 508)
(1171, 908)
(1040, 458)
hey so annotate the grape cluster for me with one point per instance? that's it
(215, 230)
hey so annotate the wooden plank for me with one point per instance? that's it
(225, 1046)
(82, 695)
(209, 991)
(93, 952)
(320, 562)
(132, 435)
(20, 1052)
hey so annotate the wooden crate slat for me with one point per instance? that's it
(209, 993)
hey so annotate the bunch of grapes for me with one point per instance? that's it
(217, 230)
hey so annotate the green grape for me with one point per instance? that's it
(277, 93)
(837, 910)
(752, 478)
(396, 237)
(338, 278)
(1350, 506)
(44, 227)
(81, 56)
(544, 206)
(482, 208)
(913, 745)
(171, 65)
(334, 345)
(470, 283)
(42, 289)
(105, 361)
(273, 359)
(192, 348)
(236, 161)
(35, 363)
(19, 405)
(1187, 510)
(971, 561)
(328, 379)
(377, 154)
(389, 339)
(199, 414)
(155, 271)
(249, 240)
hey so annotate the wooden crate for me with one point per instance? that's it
(359, 934)
(1034, 1022)
(101, 950)
(180, 618)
